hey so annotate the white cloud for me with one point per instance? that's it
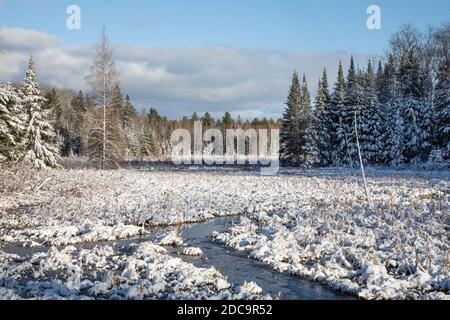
(177, 81)
(26, 39)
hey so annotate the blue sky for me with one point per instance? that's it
(318, 25)
(182, 56)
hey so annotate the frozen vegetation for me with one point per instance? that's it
(138, 271)
(315, 224)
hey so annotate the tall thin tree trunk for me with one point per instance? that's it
(362, 164)
(104, 121)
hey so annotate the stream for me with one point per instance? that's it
(238, 267)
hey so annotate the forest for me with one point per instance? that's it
(398, 107)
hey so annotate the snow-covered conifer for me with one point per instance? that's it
(324, 121)
(290, 130)
(12, 121)
(41, 149)
(337, 105)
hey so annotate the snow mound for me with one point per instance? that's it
(170, 239)
(192, 251)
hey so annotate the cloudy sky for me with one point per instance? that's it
(184, 56)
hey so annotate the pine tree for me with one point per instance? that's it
(389, 98)
(207, 120)
(148, 143)
(118, 105)
(442, 104)
(337, 129)
(324, 120)
(311, 147)
(12, 121)
(154, 135)
(290, 134)
(227, 121)
(306, 100)
(194, 117)
(41, 150)
(414, 109)
(397, 143)
(309, 127)
(370, 125)
(353, 103)
(379, 83)
(129, 112)
(79, 109)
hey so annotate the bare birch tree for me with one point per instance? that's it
(103, 150)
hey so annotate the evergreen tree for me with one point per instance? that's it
(379, 82)
(194, 117)
(12, 120)
(415, 111)
(397, 142)
(306, 100)
(154, 133)
(309, 127)
(239, 121)
(117, 103)
(442, 104)
(148, 143)
(129, 112)
(79, 109)
(353, 103)
(54, 106)
(324, 121)
(207, 120)
(290, 135)
(41, 150)
(227, 121)
(337, 129)
(390, 101)
(370, 125)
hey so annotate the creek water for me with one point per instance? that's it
(238, 267)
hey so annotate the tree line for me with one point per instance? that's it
(401, 107)
(39, 126)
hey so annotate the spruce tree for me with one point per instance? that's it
(194, 117)
(79, 109)
(353, 103)
(414, 109)
(309, 128)
(324, 123)
(154, 135)
(442, 104)
(389, 97)
(207, 120)
(148, 143)
(290, 134)
(40, 147)
(370, 124)
(12, 121)
(337, 129)
(129, 112)
(397, 142)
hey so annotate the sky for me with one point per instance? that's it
(203, 55)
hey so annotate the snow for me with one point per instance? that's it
(395, 251)
(171, 239)
(314, 224)
(191, 251)
(141, 271)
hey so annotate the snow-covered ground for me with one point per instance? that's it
(137, 271)
(322, 229)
